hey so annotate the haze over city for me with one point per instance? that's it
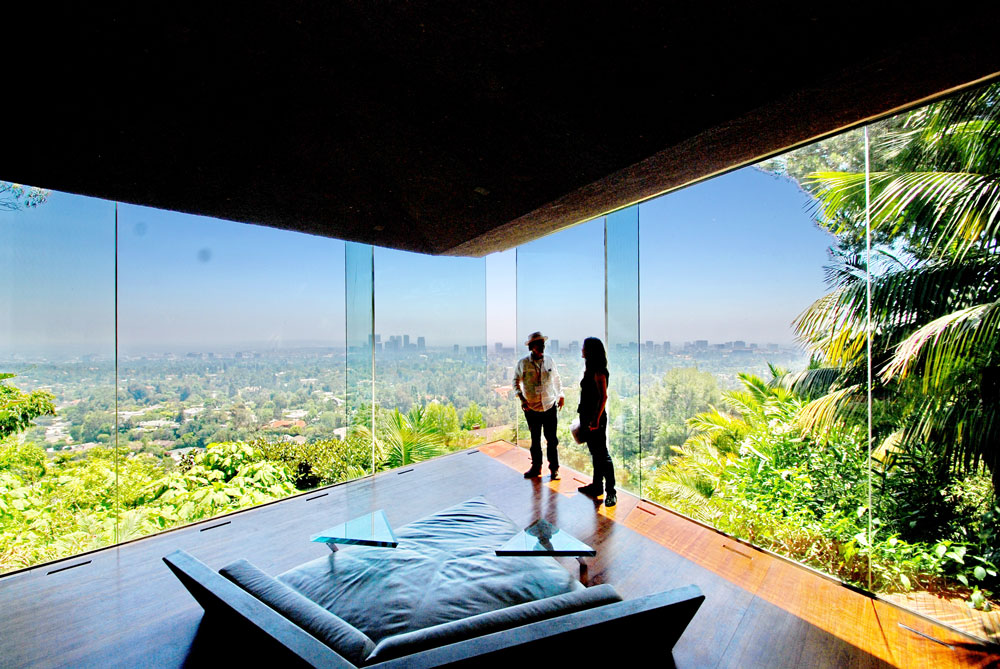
(734, 258)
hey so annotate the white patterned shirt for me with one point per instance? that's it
(537, 382)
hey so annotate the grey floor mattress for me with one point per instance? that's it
(444, 569)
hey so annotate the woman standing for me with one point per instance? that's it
(594, 420)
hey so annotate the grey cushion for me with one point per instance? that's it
(342, 637)
(444, 569)
(473, 524)
(494, 621)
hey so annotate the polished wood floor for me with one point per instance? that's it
(121, 607)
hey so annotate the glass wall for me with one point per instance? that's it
(502, 409)
(359, 271)
(560, 292)
(57, 339)
(230, 349)
(823, 342)
(934, 213)
(726, 267)
(623, 346)
(430, 354)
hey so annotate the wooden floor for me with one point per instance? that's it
(122, 608)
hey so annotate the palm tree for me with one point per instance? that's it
(406, 439)
(721, 436)
(935, 321)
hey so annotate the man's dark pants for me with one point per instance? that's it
(539, 421)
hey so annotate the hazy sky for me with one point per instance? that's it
(736, 257)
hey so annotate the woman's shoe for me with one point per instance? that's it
(591, 489)
(610, 499)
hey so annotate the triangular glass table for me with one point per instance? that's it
(371, 529)
(544, 538)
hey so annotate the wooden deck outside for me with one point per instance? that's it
(121, 606)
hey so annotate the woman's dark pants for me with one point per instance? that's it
(604, 469)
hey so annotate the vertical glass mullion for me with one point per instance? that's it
(359, 301)
(501, 337)
(868, 338)
(622, 339)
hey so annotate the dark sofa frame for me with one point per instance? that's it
(574, 637)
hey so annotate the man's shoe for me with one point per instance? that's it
(533, 473)
(591, 489)
(610, 499)
(554, 475)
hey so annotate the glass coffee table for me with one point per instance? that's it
(371, 529)
(544, 538)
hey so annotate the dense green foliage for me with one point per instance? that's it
(752, 471)
(935, 330)
(54, 507)
(18, 409)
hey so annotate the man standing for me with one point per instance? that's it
(536, 382)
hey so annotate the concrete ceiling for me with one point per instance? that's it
(447, 127)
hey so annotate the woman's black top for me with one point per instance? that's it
(590, 395)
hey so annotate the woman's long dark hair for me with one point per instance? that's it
(595, 355)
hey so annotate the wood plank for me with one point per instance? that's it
(736, 562)
(495, 448)
(917, 643)
(769, 636)
(825, 605)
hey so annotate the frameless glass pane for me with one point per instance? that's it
(361, 342)
(502, 409)
(560, 292)
(727, 267)
(624, 348)
(935, 281)
(430, 354)
(58, 492)
(229, 365)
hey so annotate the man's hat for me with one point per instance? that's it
(535, 336)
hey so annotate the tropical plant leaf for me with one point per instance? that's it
(810, 383)
(946, 342)
(825, 413)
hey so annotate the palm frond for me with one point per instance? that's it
(957, 210)
(945, 342)
(889, 446)
(810, 383)
(823, 414)
(834, 325)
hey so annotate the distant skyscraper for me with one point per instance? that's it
(498, 347)
(421, 344)
(666, 347)
(554, 345)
